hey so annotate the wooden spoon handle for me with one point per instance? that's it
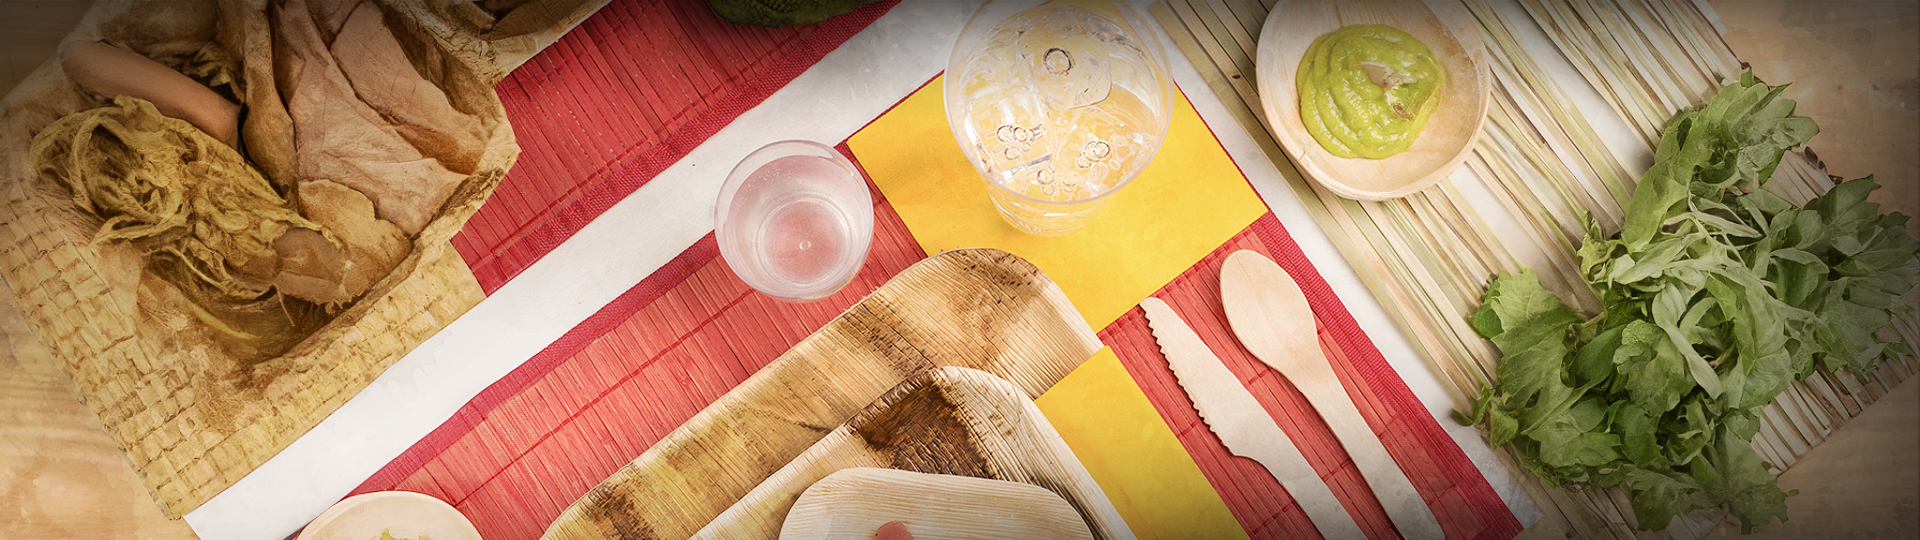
(1403, 503)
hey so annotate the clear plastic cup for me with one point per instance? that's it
(1058, 105)
(794, 220)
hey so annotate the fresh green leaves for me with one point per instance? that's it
(1734, 141)
(1716, 295)
(1653, 374)
(1731, 472)
(776, 14)
(1530, 326)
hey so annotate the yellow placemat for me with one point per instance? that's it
(1118, 436)
(1187, 202)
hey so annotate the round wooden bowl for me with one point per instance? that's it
(1447, 30)
(404, 514)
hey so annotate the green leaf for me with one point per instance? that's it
(1846, 205)
(1848, 337)
(1726, 226)
(1532, 339)
(1670, 305)
(1655, 380)
(1501, 427)
(1595, 250)
(1758, 368)
(1741, 424)
(1732, 474)
(1668, 308)
(1658, 497)
(1568, 438)
(1485, 321)
(1705, 312)
(1554, 405)
(1589, 449)
(1764, 203)
(1657, 257)
(1690, 431)
(1461, 418)
(1798, 276)
(1764, 377)
(1734, 102)
(1848, 245)
(1637, 433)
(1588, 413)
(1594, 362)
(1665, 185)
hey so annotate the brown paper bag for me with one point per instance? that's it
(192, 417)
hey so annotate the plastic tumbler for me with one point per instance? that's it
(794, 220)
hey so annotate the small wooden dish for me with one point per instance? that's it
(1447, 30)
(949, 420)
(403, 514)
(853, 503)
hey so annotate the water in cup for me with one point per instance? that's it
(795, 220)
(1058, 106)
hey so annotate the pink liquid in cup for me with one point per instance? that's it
(794, 220)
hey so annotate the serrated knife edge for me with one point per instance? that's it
(1231, 412)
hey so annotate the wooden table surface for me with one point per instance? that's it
(60, 475)
(1855, 69)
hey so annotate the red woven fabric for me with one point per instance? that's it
(1465, 505)
(630, 91)
(530, 444)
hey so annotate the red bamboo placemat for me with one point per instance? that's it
(628, 92)
(1462, 501)
(530, 444)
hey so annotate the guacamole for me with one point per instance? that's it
(1366, 91)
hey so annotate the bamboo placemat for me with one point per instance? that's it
(1428, 256)
(627, 93)
(529, 445)
(1461, 499)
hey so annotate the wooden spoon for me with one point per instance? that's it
(1272, 319)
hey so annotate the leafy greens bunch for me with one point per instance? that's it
(1716, 295)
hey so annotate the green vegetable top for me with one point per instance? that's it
(1716, 295)
(777, 13)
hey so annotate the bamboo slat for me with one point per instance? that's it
(1781, 430)
(1548, 169)
(191, 415)
(952, 421)
(976, 308)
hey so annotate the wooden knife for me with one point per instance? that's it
(1272, 319)
(1243, 426)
